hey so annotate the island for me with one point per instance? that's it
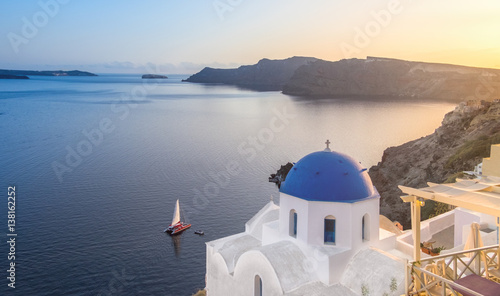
(153, 76)
(373, 77)
(8, 76)
(266, 75)
(45, 73)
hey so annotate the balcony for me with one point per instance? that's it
(474, 272)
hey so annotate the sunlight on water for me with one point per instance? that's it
(124, 160)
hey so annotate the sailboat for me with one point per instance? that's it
(177, 226)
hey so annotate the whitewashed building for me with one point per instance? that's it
(326, 237)
(323, 238)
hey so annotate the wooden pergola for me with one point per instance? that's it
(481, 195)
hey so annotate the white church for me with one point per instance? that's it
(326, 237)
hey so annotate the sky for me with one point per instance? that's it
(184, 36)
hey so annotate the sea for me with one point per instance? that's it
(96, 165)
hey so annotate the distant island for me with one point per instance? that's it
(8, 76)
(153, 76)
(371, 77)
(26, 73)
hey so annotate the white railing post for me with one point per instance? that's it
(413, 268)
(407, 279)
(455, 268)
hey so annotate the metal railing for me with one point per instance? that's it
(454, 266)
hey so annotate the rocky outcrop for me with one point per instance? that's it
(394, 78)
(153, 76)
(46, 73)
(265, 75)
(281, 174)
(461, 142)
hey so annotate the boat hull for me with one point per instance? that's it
(177, 229)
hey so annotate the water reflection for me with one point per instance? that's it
(176, 241)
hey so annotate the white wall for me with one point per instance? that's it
(348, 221)
(348, 229)
(463, 218)
(250, 264)
(488, 219)
(287, 203)
(241, 282)
(342, 212)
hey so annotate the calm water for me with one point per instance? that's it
(98, 163)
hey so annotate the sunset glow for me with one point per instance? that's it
(123, 36)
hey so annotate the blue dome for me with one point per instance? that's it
(329, 176)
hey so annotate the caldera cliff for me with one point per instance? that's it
(265, 75)
(461, 142)
(385, 77)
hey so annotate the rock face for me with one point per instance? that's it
(281, 174)
(153, 76)
(394, 78)
(461, 142)
(8, 76)
(265, 75)
(46, 73)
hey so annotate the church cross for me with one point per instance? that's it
(327, 144)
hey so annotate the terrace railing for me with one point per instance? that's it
(452, 267)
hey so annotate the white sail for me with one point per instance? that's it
(177, 214)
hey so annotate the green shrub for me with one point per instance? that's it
(453, 178)
(472, 149)
(439, 208)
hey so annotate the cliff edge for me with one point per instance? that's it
(461, 142)
(266, 75)
(393, 78)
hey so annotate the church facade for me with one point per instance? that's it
(323, 239)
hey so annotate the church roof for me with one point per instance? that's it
(329, 176)
(291, 265)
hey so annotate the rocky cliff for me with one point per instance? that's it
(461, 142)
(265, 75)
(281, 174)
(393, 78)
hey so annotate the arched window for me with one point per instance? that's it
(365, 228)
(257, 286)
(330, 230)
(293, 223)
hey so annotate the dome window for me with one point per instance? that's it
(330, 230)
(365, 228)
(293, 223)
(257, 286)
